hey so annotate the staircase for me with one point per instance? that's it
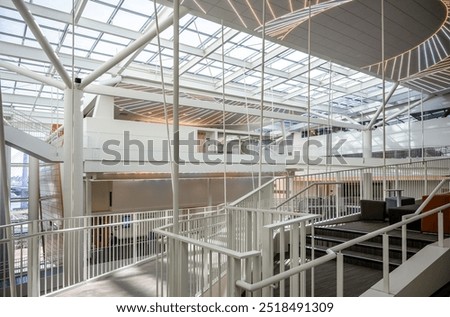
(369, 253)
(363, 262)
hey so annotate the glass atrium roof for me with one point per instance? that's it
(217, 64)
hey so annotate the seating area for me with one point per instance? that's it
(390, 211)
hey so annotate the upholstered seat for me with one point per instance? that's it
(373, 210)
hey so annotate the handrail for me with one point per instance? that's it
(251, 287)
(305, 189)
(381, 231)
(212, 247)
(332, 252)
(422, 206)
(302, 217)
(256, 190)
(271, 211)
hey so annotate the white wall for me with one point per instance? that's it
(106, 139)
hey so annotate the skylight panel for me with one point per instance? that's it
(65, 6)
(144, 7)
(296, 56)
(208, 27)
(51, 24)
(12, 14)
(190, 38)
(211, 71)
(242, 53)
(115, 39)
(97, 12)
(108, 48)
(12, 27)
(281, 64)
(87, 32)
(10, 39)
(144, 56)
(129, 20)
(33, 43)
(167, 34)
(81, 42)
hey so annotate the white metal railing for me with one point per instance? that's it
(336, 252)
(205, 265)
(26, 123)
(338, 193)
(58, 253)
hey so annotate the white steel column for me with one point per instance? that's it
(5, 216)
(175, 279)
(33, 215)
(73, 154)
(73, 182)
(367, 186)
(367, 144)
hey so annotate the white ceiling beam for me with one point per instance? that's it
(131, 48)
(28, 73)
(81, 5)
(165, 14)
(47, 48)
(228, 35)
(30, 100)
(382, 106)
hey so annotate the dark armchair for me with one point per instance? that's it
(373, 210)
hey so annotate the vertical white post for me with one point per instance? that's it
(440, 229)
(367, 189)
(338, 197)
(404, 243)
(267, 258)
(367, 144)
(33, 215)
(183, 274)
(340, 274)
(294, 280)
(5, 215)
(303, 258)
(72, 180)
(396, 182)
(237, 276)
(386, 263)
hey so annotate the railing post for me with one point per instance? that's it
(135, 242)
(237, 276)
(303, 258)
(294, 280)
(440, 229)
(267, 258)
(339, 274)
(338, 196)
(404, 242)
(425, 179)
(33, 262)
(183, 273)
(386, 263)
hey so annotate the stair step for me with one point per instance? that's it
(368, 247)
(394, 238)
(363, 259)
